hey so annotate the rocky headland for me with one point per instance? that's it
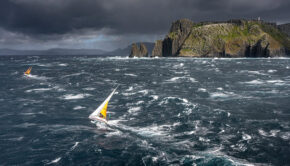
(233, 38)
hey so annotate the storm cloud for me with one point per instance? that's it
(114, 23)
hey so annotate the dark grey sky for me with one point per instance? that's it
(109, 24)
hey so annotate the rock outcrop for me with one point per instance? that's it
(143, 50)
(178, 33)
(233, 38)
(138, 51)
(157, 50)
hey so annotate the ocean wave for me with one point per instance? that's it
(253, 72)
(222, 94)
(89, 89)
(38, 90)
(271, 71)
(74, 96)
(74, 146)
(43, 65)
(36, 77)
(63, 64)
(130, 74)
(255, 82)
(74, 74)
(134, 110)
(259, 82)
(182, 79)
(54, 161)
(201, 89)
(180, 65)
(59, 128)
(78, 107)
(246, 136)
(154, 97)
(129, 89)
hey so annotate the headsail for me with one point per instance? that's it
(28, 71)
(101, 112)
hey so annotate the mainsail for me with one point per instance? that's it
(28, 71)
(100, 114)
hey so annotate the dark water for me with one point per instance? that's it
(166, 111)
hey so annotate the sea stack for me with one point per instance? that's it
(138, 51)
(157, 50)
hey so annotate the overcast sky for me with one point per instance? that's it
(110, 24)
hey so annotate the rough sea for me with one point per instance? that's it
(166, 111)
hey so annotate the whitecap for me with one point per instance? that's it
(181, 79)
(55, 160)
(203, 139)
(246, 136)
(78, 107)
(178, 65)
(253, 72)
(285, 135)
(276, 82)
(262, 132)
(134, 110)
(150, 131)
(89, 89)
(62, 64)
(36, 77)
(145, 92)
(139, 102)
(128, 94)
(75, 74)
(272, 71)
(74, 146)
(273, 133)
(38, 90)
(218, 95)
(257, 82)
(219, 88)
(155, 97)
(201, 90)
(129, 74)
(59, 89)
(74, 97)
(129, 89)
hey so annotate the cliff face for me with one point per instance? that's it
(178, 33)
(157, 50)
(138, 51)
(235, 38)
(285, 28)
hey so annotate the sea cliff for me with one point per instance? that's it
(233, 38)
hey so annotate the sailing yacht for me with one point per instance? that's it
(28, 71)
(100, 114)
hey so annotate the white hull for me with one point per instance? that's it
(97, 119)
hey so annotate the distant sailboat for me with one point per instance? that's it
(100, 114)
(28, 71)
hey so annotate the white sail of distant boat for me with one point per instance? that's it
(100, 114)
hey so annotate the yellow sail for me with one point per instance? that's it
(28, 71)
(104, 111)
(100, 114)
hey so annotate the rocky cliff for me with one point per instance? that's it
(138, 51)
(157, 50)
(285, 28)
(234, 38)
